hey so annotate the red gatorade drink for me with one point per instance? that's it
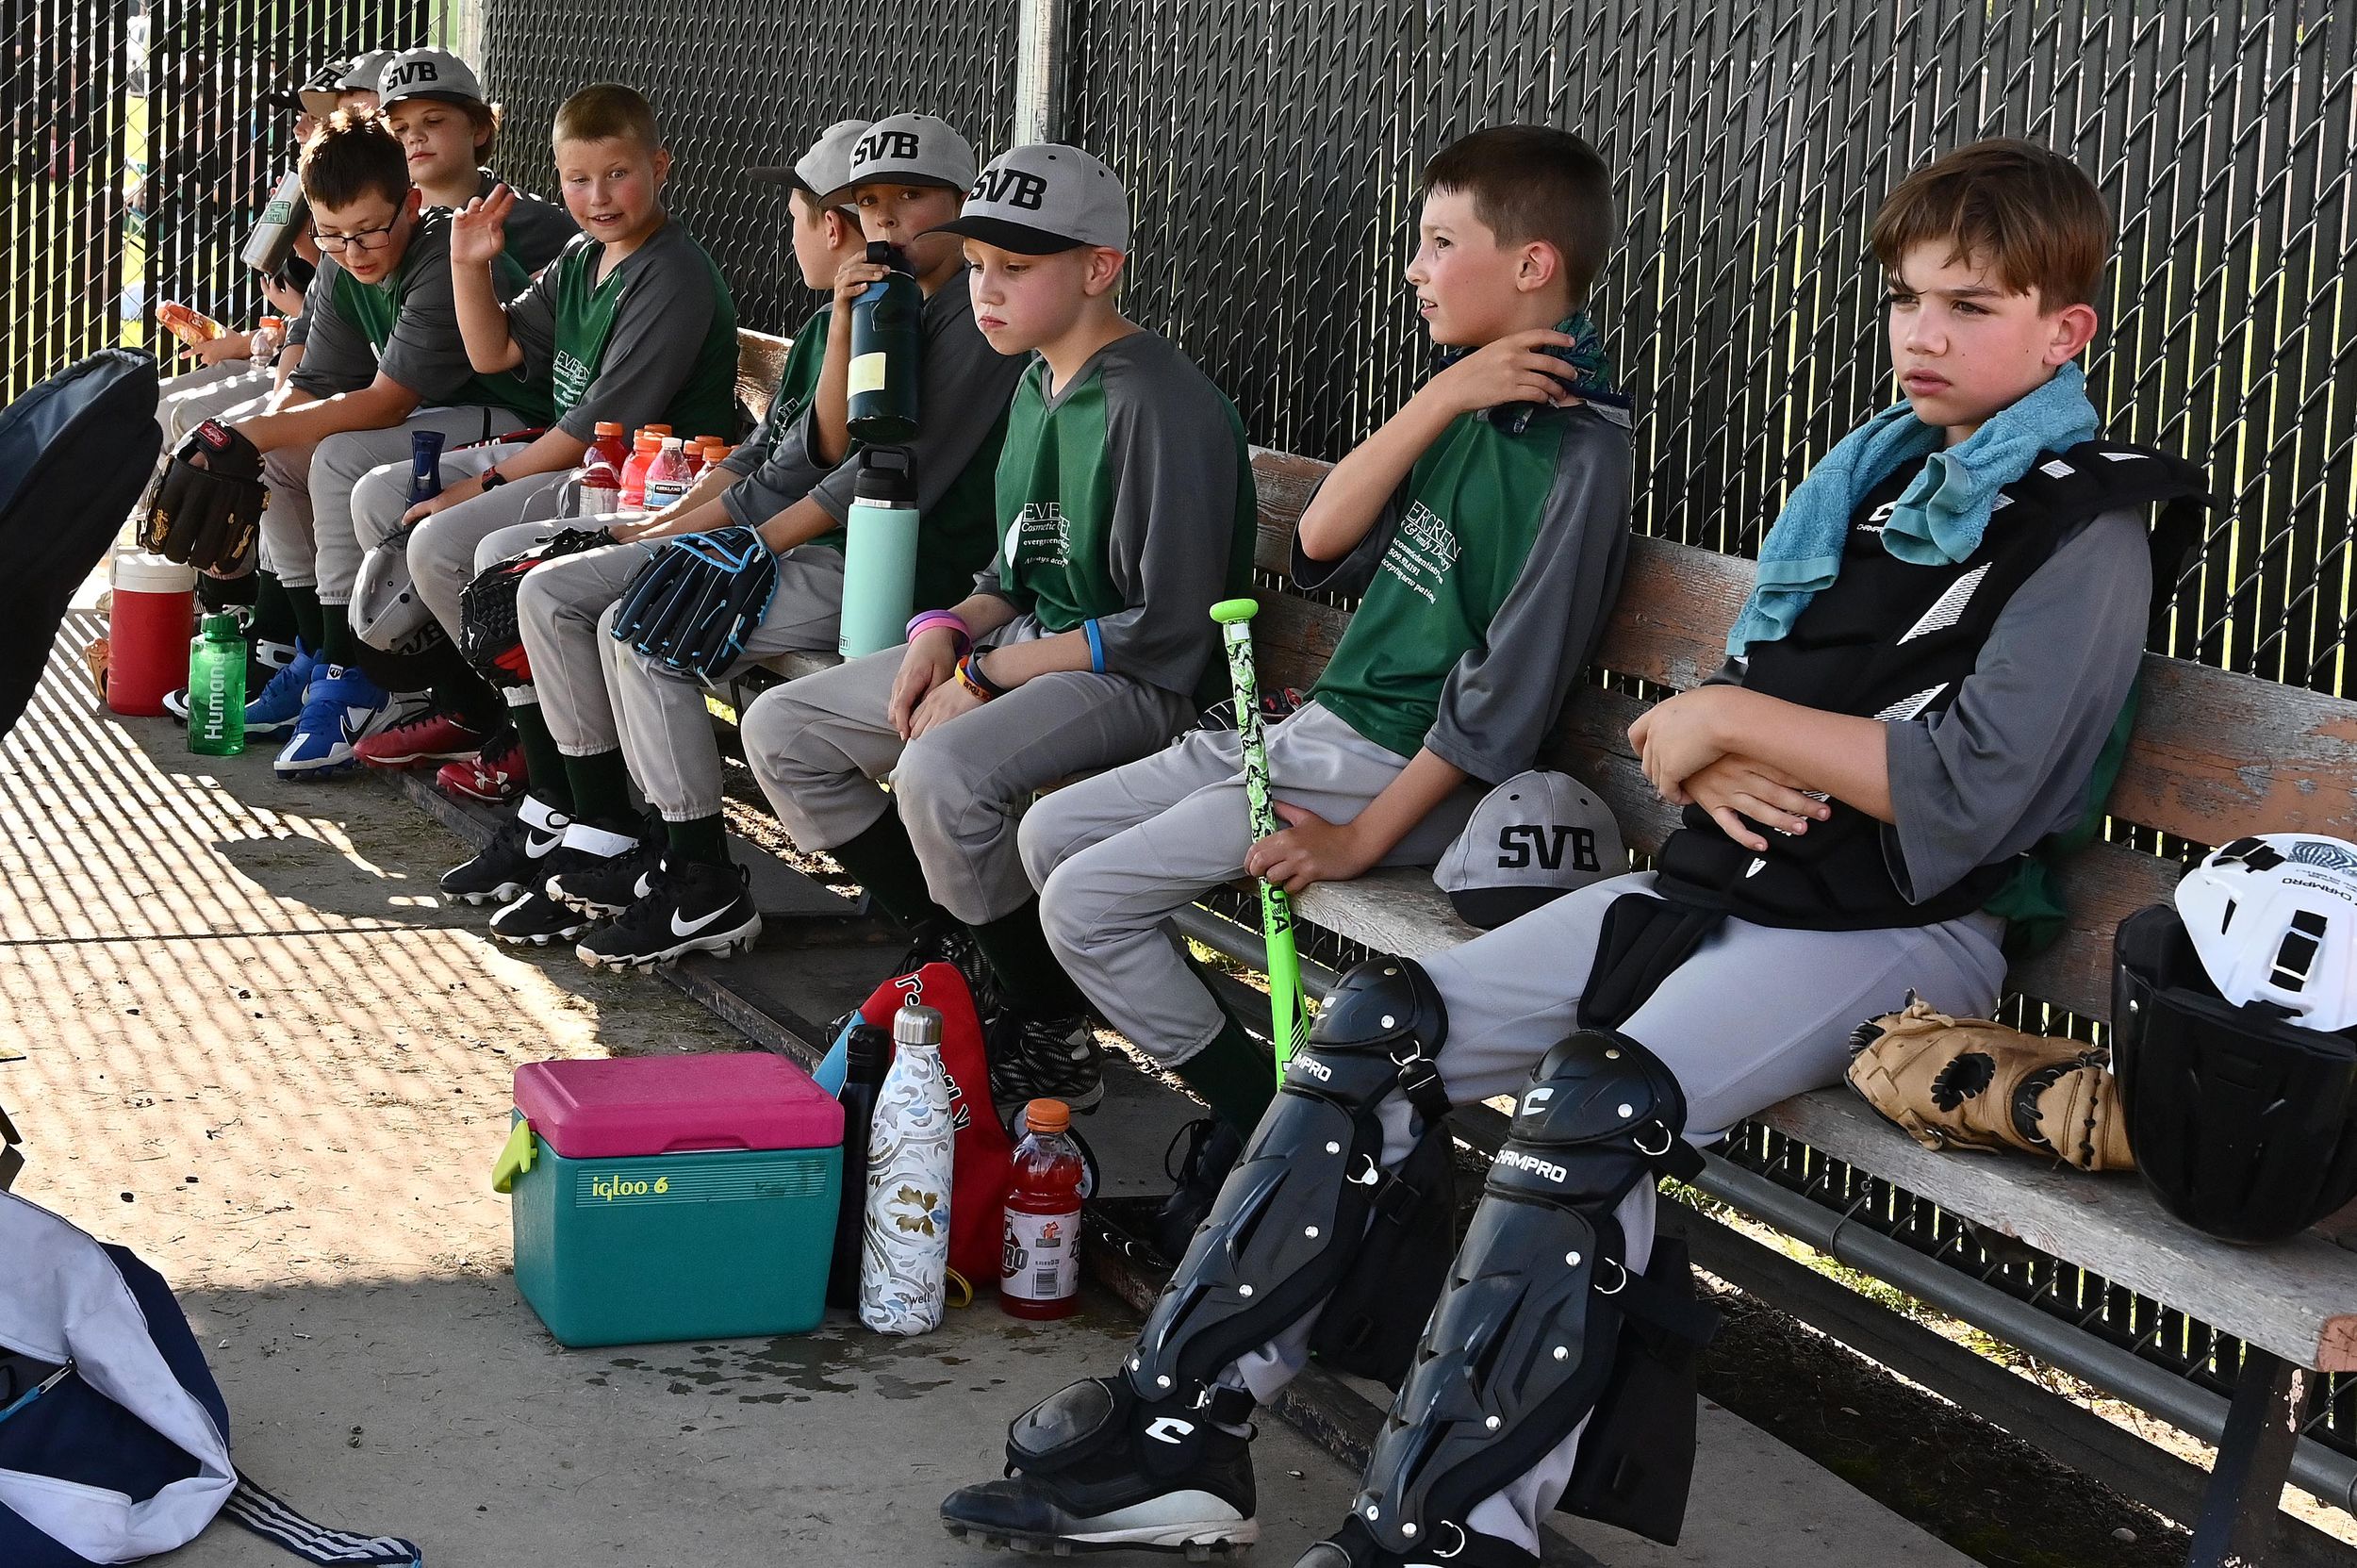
(1039, 1267)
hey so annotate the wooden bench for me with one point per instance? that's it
(2214, 755)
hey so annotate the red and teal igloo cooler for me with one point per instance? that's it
(672, 1198)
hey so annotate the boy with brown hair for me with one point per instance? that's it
(1948, 620)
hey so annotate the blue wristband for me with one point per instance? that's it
(1096, 647)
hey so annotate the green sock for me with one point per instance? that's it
(310, 625)
(699, 838)
(542, 759)
(601, 786)
(1234, 1077)
(1029, 978)
(885, 863)
(273, 611)
(337, 644)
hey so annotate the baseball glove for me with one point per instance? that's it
(488, 634)
(1970, 1083)
(697, 599)
(207, 517)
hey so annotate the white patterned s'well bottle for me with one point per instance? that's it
(904, 1267)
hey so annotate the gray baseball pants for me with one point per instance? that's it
(818, 744)
(442, 551)
(1115, 856)
(1757, 1015)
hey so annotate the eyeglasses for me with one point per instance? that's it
(365, 240)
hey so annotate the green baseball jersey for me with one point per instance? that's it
(654, 341)
(406, 329)
(1486, 583)
(1126, 506)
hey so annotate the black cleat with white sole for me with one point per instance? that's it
(693, 906)
(1097, 1471)
(514, 861)
(536, 919)
(610, 886)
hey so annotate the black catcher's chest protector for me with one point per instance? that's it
(1894, 642)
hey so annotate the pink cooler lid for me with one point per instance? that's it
(613, 1108)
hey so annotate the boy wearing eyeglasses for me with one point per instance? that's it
(385, 360)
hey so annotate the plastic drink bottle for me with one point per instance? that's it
(643, 449)
(425, 464)
(887, 325)
(904, 1258)
(715, 452)
(879, 554)
(867, 1053)
(692, 455)
(217, 689)
(270, 336)
(668, 478)
(1039, 1266)
(608, 444)
(191, 326)
(600, 485)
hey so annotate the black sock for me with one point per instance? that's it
(699, 838)
(310, 625)
(273, 611)
(601, 789)
(338, 643)
(1234, 1077)
(885, 863)
(458, 691)
(1030, 980)
(543, 761)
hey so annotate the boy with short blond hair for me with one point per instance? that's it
(1950, 616)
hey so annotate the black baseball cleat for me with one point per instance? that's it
(1082, 1482)
(1047, 1059)
(514, 860)
(610, 886)
(692, 907)
(536, 919)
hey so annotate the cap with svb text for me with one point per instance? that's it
(909, 149)
(1044, 198)
(361, 77)
(427, 73)
(825, 168)
(1533, 838)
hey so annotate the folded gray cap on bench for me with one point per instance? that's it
(1533, 838)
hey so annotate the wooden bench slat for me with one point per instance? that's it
(2291, 1298)
(759, 360)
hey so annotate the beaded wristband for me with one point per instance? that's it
(939, 618)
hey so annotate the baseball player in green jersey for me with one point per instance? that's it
(1483, 530)
(631, 323)
(1125, 508)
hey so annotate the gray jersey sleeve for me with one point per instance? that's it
(335, 352)
(532, 322)
(538, 230)
(1352, 573)
(783, 473)
(425, 354)
(1172, 453)
(658, 335)
(1506, 693)
(2008, 761)
(962, 389)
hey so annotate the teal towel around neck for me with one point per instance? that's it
(1939, 519)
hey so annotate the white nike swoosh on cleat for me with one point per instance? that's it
(535, 845)
(689, 927)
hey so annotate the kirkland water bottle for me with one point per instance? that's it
(879, 554)
(904, 1266)
(217, 689)
(887, 326)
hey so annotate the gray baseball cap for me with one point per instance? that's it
(1532, 839)
(911, 149)
(427, 73)
(1043, 198)
(362, 75)
(825, 168)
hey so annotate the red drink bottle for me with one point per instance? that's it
(1039, 1267)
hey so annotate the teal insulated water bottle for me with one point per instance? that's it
(217, 689)
(879, 554)
(887, 329)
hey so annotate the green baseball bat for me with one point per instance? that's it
(1292, 1024)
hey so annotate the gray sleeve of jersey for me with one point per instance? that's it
(2008, 762)
(1354, 572)
(1505, 694)
(962, 389)
(335, 355)
(538, 230)
(781, 475)
(425, 353)
(531, 321)
(658, 336)
(1173, 457)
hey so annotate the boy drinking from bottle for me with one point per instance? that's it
(631, 324)
(1484, 526)
(1125, 506)
(615, 714)
(1950, 613)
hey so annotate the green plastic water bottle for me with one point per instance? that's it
(217, 689)
(887, 329)
(879, 554)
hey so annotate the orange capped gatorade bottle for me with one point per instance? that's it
(1039, 1264)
